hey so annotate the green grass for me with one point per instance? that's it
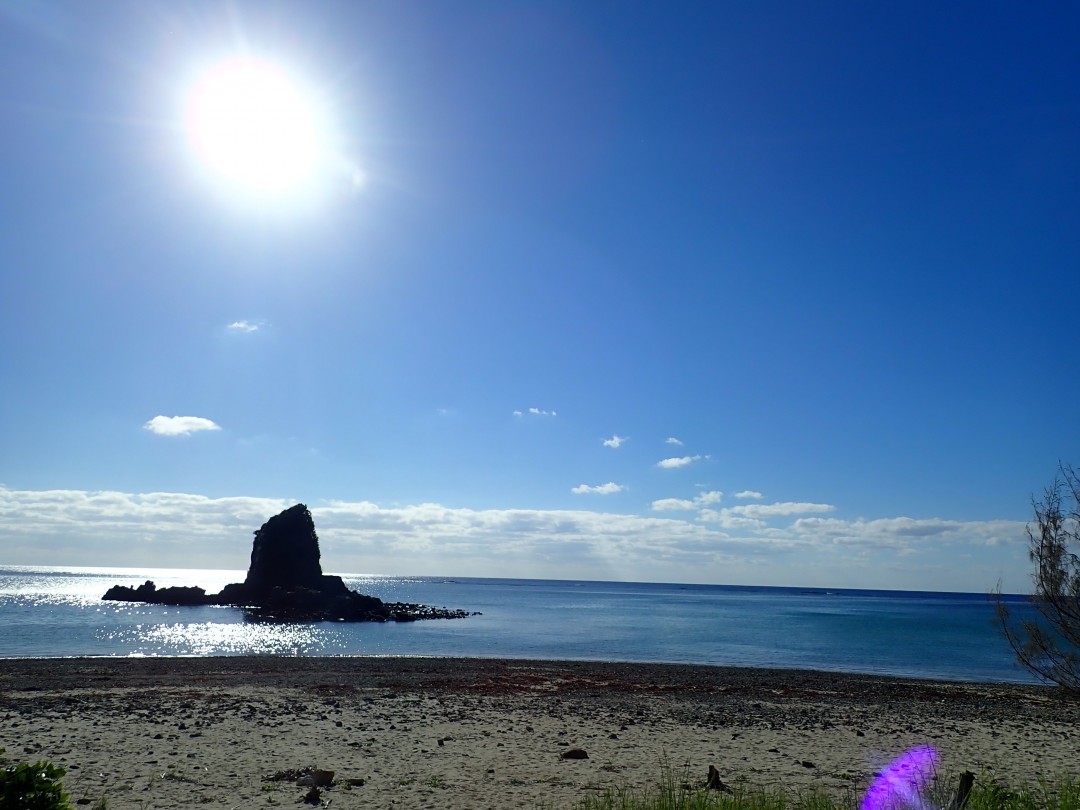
(677, 791)
(1057, 795)
(38, 786)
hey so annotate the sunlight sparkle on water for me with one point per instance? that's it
(211, 638)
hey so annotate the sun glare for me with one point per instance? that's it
(253, 126)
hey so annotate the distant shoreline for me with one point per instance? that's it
(454, 674)
(69, 668)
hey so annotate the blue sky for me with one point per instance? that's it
(749, 293)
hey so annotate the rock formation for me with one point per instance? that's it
(286, 552)
(285, 581)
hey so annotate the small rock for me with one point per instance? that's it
(323, 778)
(859, 734)
(574, 753)
(807, 764)
(355, 782)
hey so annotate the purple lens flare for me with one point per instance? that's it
(901, 785)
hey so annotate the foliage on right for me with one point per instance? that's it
(1049, 644)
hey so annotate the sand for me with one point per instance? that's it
(454, 733)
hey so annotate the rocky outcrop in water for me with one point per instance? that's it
(285, 582)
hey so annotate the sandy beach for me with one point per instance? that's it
(454, 733)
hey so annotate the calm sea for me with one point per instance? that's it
(54, 612)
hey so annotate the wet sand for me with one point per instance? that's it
(474, 733)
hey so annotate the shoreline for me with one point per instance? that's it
(1020, 681)
(457, 733)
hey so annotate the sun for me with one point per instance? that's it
(254, 126)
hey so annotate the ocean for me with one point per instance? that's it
(58, 612)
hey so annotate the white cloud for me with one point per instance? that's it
(673, 505)
(767, 510)
(615, 441)
(756, 516)
(179, 425)
(610, 488)
(673, 440)
(535, 412)
(683, 505)
(749, 494)
(243, 326)
(725, 519)
(675, 463)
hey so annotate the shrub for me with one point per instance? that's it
(33, 787)
(1049, 644)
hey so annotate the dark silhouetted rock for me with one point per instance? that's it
(149, 592)
(286, 582)
(285, 553)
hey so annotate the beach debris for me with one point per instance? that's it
(313, 797)
(967, 782)
(714, 783)
(807, 764)
(291, 775)
(574, 753)
(303, 777)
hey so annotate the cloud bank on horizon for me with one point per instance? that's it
(174, 529)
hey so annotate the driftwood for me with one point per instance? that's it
(967, 781)
(714, 783)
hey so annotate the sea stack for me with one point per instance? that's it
(285, 582)
(285, 553)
